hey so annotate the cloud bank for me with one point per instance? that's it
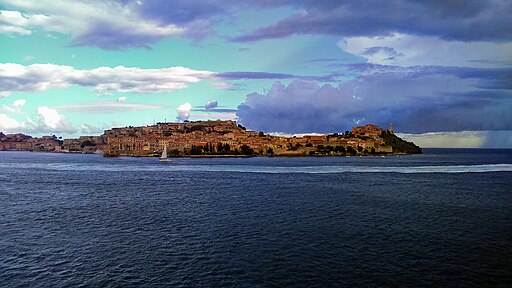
(415, 99)
(104, 24)
(448, 20)
(48, 121)
(103, 80)
(118, 24)
(409, 50)
(108, 107)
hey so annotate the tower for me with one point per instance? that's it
(391, 128)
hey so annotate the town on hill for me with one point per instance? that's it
(216, 139)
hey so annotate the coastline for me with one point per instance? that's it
(214, 139)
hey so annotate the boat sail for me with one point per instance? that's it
(164, 158)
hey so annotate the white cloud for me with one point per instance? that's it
(13, 22)
(89, 129)
(8, 124)
(15, 107)
(121, 99)
(53, 121)
(183, 111)
(221, 116)
(48, 120)
(107, 106)
(89, 22)
(409, 50)
(19, 103)
(218, 85)
(288, 135)
(51, 117)
(103, 80)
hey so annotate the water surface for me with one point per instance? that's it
(443, 218)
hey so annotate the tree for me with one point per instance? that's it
(261, 134)
(196, 150)
(246, 150)
(87, 143)
(270, 152)
(340, 149)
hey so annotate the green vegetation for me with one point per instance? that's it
(196, 150)
(87, 143)
(399, 145)
(246, 150)
(330, 150)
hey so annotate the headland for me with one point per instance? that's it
(216, 139)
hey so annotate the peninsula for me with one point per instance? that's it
(216, 139)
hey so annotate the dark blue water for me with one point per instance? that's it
(443, 218)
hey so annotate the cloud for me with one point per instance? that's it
(8, 124)
(409, 50)
(219, 85)
(48, 121)
(103, 80)
(462, 139)
(107, 107)
(104, 24)
(183, 111)
(253, 75)
(13, 22)
(15, 107)
(118, 24)
(415, 99)
(211, 105)
(269, 75)
(213, 112)
(460, 21)
(121, 99)
(89, 129)
(217, 115)
(53, 120)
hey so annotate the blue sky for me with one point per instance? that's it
(440, 71)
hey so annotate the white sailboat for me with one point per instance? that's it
(164, 158)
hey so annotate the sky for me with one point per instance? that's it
(440, 71)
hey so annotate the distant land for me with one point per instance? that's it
(216, 139)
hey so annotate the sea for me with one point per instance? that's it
(438, 219)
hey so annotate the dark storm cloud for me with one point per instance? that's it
(450, 20)
(254, 75)
(277, 76)
(117, 24)
(213, 107)
(414, 99)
